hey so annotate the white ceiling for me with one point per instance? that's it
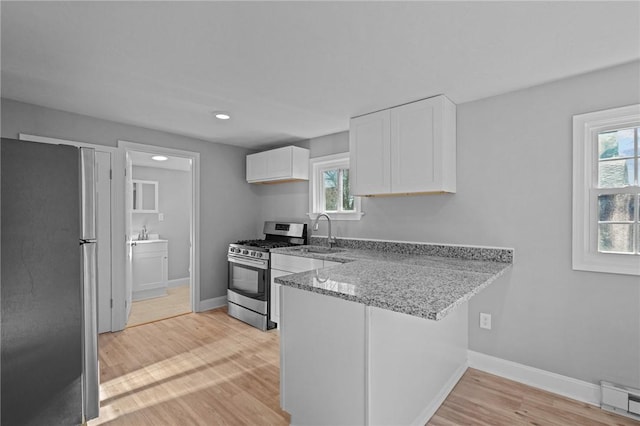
(288, 71)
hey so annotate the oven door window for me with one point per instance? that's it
(247, 281)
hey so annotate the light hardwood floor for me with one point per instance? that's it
(176, 302)
(211, 369)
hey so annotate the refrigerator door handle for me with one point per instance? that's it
(88, 190)
(90, 378)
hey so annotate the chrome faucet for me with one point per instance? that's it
(330, 239)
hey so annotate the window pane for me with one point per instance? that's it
(615, 237)
(330, 179)
(347, 198)
(616, 144)
(616, 173)
(616, 208)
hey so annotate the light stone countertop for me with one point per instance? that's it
(156, 240)
(399, 277)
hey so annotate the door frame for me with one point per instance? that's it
(116, 225)
(194, 261)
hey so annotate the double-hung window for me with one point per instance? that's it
(606, 191)
(330, 190)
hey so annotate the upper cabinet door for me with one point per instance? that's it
(415, 128)
(256, 166)
(370, 152)
(279, 162)
(407, 149)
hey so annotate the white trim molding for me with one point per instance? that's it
(213, 303)
(585, 254)
(178, 282)
(542, 379)
(194, 265)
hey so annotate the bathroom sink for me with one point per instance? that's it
(319, 249)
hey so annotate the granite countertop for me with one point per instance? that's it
(423, 280)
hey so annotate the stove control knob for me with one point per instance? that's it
(258, 254)
(245, 251)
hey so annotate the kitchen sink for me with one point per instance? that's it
(319, 249)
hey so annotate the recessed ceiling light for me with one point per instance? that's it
(159, 158)
(222, 115)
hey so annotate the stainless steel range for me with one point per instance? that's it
(248, 290)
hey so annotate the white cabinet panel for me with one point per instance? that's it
(413, 130)
(337, 354)
(369, 153)
(322, 356)
(406, 149)
(279, 162)
(256, 166)
(289, 163)
(411, 360)
(275, 294)
(149, 269)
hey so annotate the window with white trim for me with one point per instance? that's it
(329, 188)
(606, 191)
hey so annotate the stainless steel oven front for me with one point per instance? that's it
(248, 290)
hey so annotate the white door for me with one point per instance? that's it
(128, 207)
(103, 234)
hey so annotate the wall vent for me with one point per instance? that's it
(620, 399)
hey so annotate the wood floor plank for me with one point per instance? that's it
(481, 398)
(211, 369)
(175, 302)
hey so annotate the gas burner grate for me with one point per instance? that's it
(264, 244)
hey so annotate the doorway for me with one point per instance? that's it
(161, 226)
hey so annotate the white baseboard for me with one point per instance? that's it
(542, 379)
(148, 293)
(178, 282)
(435, 403)
(213, 303)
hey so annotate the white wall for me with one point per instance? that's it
(514, 190)
(228, 205)
(174, 202)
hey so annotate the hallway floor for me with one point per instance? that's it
(176, 302)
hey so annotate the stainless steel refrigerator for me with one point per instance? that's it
(49, 353)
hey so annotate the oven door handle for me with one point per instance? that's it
(260, 264)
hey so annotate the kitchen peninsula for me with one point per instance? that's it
(380, 338)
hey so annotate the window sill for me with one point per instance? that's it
(623, 264)
(339, 216)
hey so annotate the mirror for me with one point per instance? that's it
(145, 196)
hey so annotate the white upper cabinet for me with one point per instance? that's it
(406, 149)
(289, 163)
(370, 150)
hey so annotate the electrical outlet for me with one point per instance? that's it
(160, 217)
(485, 321)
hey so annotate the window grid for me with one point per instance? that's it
(633, 190)
(339, 185)
(336, 185)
